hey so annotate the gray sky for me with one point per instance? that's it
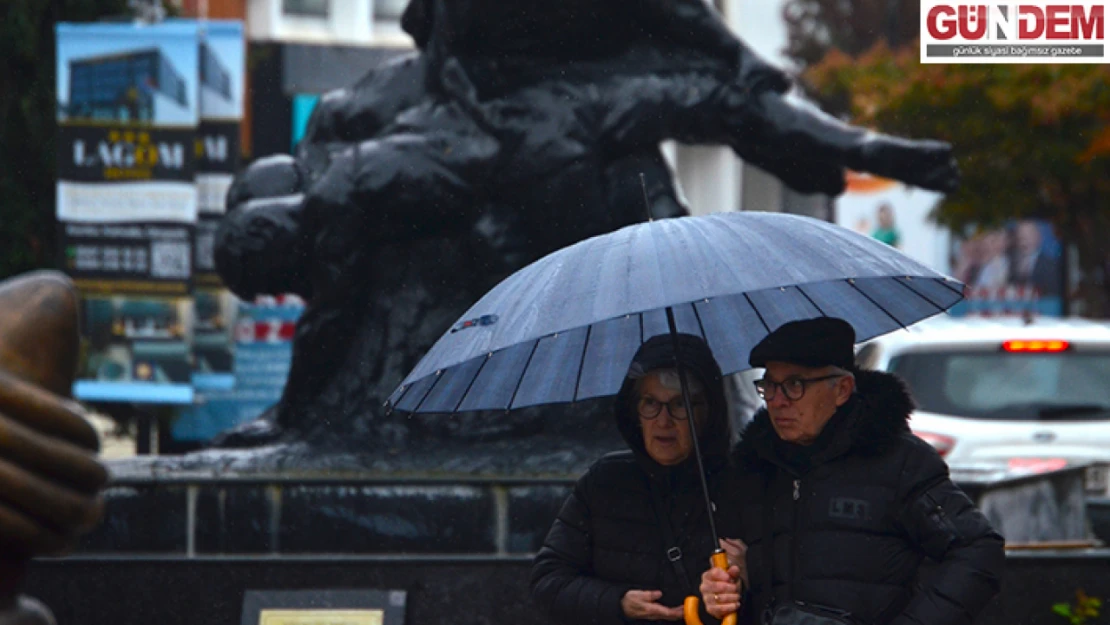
(762, 27)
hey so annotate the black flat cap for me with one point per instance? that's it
(819, 342)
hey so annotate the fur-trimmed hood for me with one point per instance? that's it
(879, 413)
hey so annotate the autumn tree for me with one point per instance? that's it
(815, 27)
(1032, 140)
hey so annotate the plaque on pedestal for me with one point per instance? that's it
(323, 607)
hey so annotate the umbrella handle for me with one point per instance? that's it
(690, 606)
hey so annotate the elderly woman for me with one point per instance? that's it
(633, 537)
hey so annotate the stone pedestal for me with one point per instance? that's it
(1029, 509)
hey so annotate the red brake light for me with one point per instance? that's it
(943, 444)
(1041, 346)
(1037, 465)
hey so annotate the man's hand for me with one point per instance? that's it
(641, 604)
(737, 553)
(720, 591)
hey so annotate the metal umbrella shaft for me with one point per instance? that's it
(673, 327)
(719, 559)
(692, 421)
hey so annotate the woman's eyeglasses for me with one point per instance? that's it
(649, 407)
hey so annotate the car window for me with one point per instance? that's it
(1001, 385)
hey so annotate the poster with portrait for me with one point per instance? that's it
(897, 215)
(127, 114)
(1013, 270)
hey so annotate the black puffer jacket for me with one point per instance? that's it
(607, 540)
(855, 515)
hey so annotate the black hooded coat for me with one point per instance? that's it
(855, 514)
(607, 539)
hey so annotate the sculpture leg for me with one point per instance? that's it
(806, 130)
(423, 182)
(261, 246)
(384, 191)
(804, 147)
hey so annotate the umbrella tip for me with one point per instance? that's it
(647, 204)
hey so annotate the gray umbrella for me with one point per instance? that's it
(564, 328)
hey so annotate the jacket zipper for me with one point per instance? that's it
(794, 538)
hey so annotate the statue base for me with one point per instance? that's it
(462, 497)
(492, 498)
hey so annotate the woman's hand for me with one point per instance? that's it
(642, 604)
(720, 590)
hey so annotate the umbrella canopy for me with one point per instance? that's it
(565, 327)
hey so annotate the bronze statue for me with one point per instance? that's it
(421, 186)
(50, 479)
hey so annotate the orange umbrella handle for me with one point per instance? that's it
(690, 606)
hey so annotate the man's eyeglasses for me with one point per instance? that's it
(649, 407)
(793, 388)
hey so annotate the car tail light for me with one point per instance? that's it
(1037, 465)
(1040, 346)
(943, 444)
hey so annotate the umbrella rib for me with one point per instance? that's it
(473, 379)
(810, 300)
(439, 376)
(701, 328)
(581, 363)
(852, 283)
(758, 314)
(919, 294)
(523, 369)
(393, 405)
(945, 284)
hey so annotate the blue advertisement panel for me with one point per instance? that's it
(127, 113)
(303, 106)
(263, 353)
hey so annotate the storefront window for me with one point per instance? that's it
(388, 9)
(305, 8)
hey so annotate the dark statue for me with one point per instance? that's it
(516, 129)
(49, 475)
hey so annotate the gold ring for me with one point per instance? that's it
(716, 599)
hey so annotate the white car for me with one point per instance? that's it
(1024, 396)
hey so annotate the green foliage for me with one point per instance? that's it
(815, 27)
(27, 124)
(1085, 610)
(1032, 140)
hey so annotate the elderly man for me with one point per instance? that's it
(839, 502)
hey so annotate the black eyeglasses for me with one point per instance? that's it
(649, 407)
(793, 388)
